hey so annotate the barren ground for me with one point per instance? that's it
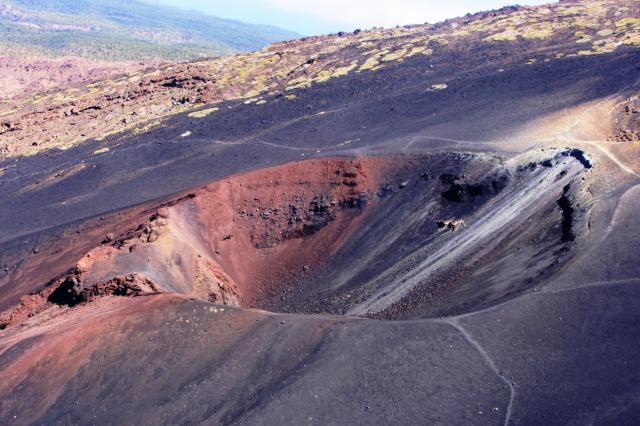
(447, 239)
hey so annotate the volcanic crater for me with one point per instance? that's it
(388, 237)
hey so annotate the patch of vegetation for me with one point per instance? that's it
(538, 32)
(503, 36)
(370, 64)
(17, 40)
(301, 64)
(604, 33)
(420, 50)
(146, 128)
(627, 21)
(124, 30)
(100, 151)
(342, 71)
(203, 113)
(394, 56)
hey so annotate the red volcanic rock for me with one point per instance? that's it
(230, 242)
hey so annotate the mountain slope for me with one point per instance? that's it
(564, 33)
(124, 30)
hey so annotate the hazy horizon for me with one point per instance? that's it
(310, 17)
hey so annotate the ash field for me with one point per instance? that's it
(431, 224)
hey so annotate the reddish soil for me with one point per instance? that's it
(627, 121)
(29, 266)
(233, 242)
(71, 347)
(276, 225)
(58, 348)
(21, 76)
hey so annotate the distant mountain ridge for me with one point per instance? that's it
(124, 30)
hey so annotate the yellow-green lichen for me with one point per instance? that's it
(342, 71)
(503, 36)
(9, 112)
(420, 50)
(627, 21)
(322, 76)
(370, 64)
(539, 33)
(203, 113)
(631, 39)
(299, 83)
(582, 37)
(394, 56)
(146, 128)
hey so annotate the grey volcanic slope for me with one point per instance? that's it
(386, 111)
(288, 372)
(558, 346)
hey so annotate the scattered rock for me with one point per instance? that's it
(455, 194)
(567, 216)
(581, 157)
(450, 225)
